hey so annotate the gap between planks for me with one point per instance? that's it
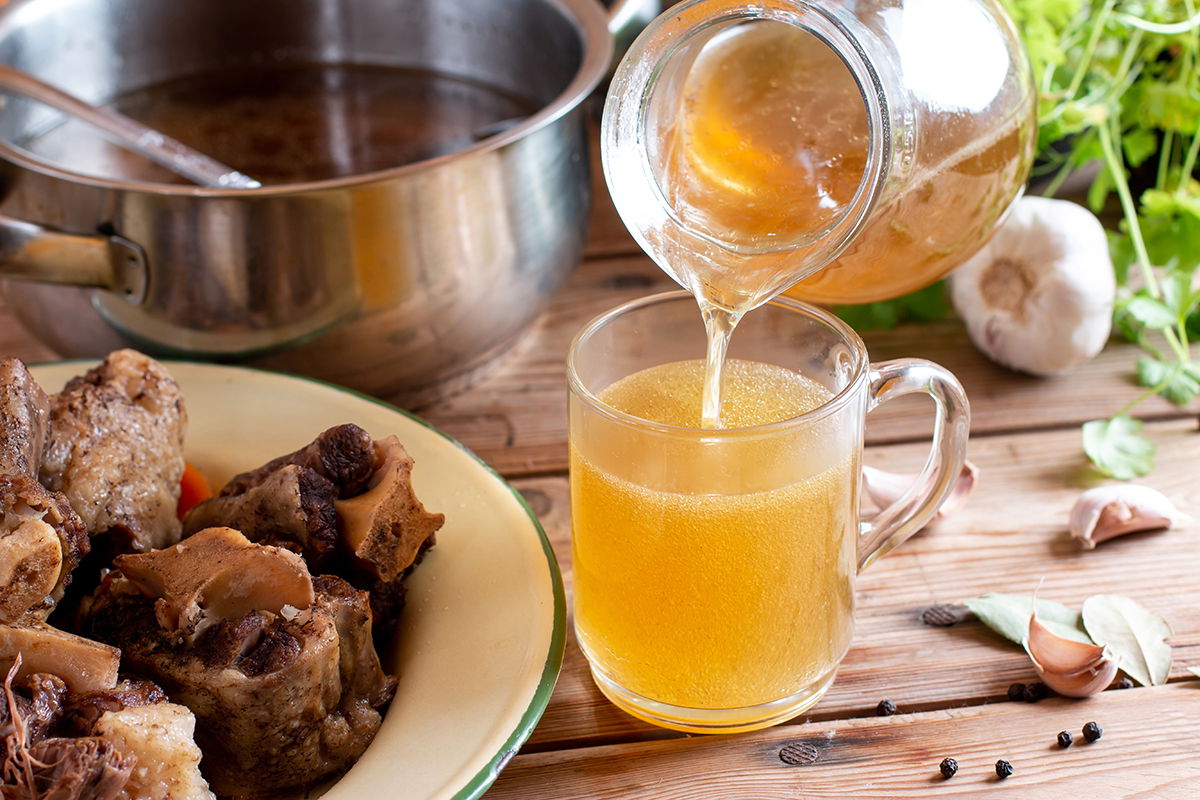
(1147, 750)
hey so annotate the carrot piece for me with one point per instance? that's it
(193, 488)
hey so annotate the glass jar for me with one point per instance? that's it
(862, 148)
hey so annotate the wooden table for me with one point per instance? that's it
(949, 683)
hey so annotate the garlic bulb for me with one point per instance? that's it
(1069, 667)
(1109, 511)
(1038, 297)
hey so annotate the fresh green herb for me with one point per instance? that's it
(924, 305)
(1117, 447)
(1119, 85)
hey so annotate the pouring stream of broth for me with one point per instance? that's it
(769, 146)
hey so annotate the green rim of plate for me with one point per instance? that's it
(558, 637)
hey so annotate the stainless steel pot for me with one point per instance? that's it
(398, 282)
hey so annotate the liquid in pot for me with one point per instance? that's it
(296, 122)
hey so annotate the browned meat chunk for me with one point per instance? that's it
(82, 710)
(24, 420)
(292, 507)
(116, 450)
(344, 455)
(37, 765)
(124, 742)
(372, 538)
(41, 540)
(285, 695)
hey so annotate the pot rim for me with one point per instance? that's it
(597, 46)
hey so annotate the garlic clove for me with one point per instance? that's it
(885, 488)
(1069, 667)
(1110, 511)
(1038, 296)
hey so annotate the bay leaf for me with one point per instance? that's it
(1008, 615)
(1134, 634)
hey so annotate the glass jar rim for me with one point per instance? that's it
(626, 157)
(833, 405)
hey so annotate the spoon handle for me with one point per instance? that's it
(129, 133)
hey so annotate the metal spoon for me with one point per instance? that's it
(129, 133)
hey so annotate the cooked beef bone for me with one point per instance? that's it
(292, 508)
(386, 526)
(42, 540)
(282, 700)
(217, 575)
(344, 455)
(160, 737)
(116, 450)
(24, 420)
(85, 665)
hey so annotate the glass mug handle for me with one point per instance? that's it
(913, 510)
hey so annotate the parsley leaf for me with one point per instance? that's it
(1116, 447)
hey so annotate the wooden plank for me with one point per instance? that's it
(516, 418)
(1009, 536)
(1147, 750)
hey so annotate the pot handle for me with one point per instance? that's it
(30, 252)
(626, 19)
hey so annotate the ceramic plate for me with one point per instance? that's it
(481, 636)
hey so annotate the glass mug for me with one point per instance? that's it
(714, 569)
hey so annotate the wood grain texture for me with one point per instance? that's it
(1010, 535)
(1147, 751)
(516, 419)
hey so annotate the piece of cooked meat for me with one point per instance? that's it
(69, 769)
(34, 703)
(291, 507)
(38, 765)
(344, 455)
(116, 450)
(82, 710)
(283, 697)
(24, 420)
(160, 737)
(42, 540)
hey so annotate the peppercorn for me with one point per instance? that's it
(1034, 692)
(1003, 769)
(1092, 732)
(1124, 683)
(1065, 738)
(948, 767)
(943, 616)
(1016, 692)
(885, 708)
